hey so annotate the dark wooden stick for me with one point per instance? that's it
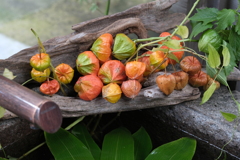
(30, 105)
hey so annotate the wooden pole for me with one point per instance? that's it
(30, 105)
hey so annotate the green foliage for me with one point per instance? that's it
(229, 116)
(64, 145)
(142, 144)
(183, 31)
(81, 132)
(227, 23)
(213, 58)
(208, 93)
(119, 144)
(181, 149)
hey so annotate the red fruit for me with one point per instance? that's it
(146, 60)
(87, 63)
(178, 54)
(199, 79)
(112, 92)
(135, 69)
(50, 87)
(190, 64)
(181, 79)
(156, 58)
(64, 73)
(102, 47)
(164, 34)
(40, 61)
(112, 71)
(131, 88)
(166, 83)
(88, 87)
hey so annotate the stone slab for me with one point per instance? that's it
(202, 122)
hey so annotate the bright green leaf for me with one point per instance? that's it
(172, 56)
(228, 116)
(213, 58)
(183, 31)
(3, 158)
(181, 149)
(237, 27)
(225, 18)
(142, 144)
(172, 43)
(205, 15)
(232, 63)
(198, 28)
(208, 93)
(8, 74)
(221, 77)
(118, 145)
(226, 56)
(63, 145)
(2, 111)
(81, 132)
(234, 41)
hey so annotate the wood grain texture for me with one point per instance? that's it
(139, 19)
(65, 49)
(149, 97)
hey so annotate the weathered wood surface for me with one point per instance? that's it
(149, 97)
(150, 16)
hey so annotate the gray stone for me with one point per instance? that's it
(201, 122)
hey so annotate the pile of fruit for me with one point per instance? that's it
(112, 67)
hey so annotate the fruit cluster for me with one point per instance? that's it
(103, 70)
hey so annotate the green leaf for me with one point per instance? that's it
(172, 56)
(118, 145)
(234, 41)
(81, 132)
(229, 68)
(142, 144)
(183, 31)
(208, 93)
(2, 111)
(198, 28)
(3, 158)
(172, 43)
(63, 145)
(237, 27)
(8, 74)
(205, 15)
(228, 116)
(226, 56)
(221, 77)
(213, 58)
(181, 149)
(225, 18)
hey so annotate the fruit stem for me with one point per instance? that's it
(30, 151)
(158, 66)
(186, 18)
(74, 123)
(39, 43)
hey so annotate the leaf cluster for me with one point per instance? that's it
(118, 144)
(227, 24)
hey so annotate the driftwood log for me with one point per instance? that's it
(152, 16)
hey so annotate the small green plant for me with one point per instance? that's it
(119, 144)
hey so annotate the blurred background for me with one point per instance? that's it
(52, 18)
